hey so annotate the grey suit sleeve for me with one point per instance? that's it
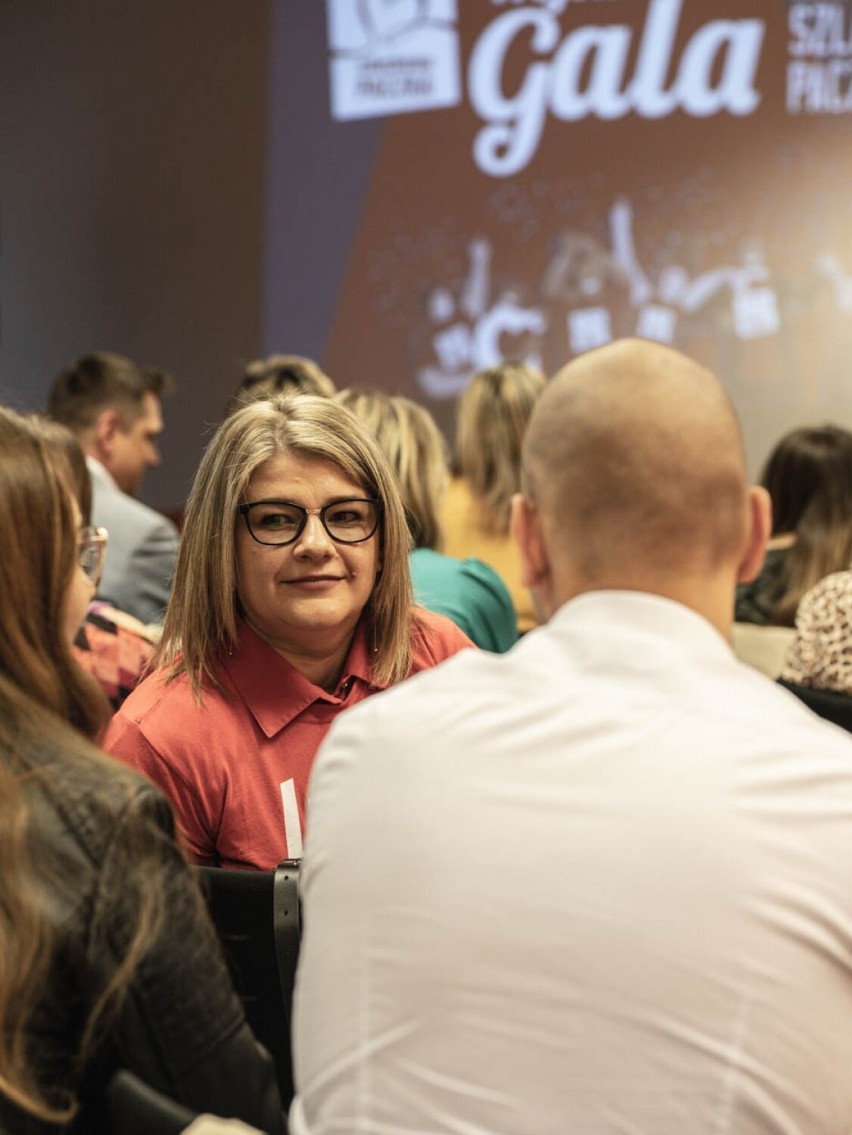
(150, 572)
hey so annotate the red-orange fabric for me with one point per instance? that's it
(236, 767)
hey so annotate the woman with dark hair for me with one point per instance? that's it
(111, 645)
(809, 477)
(109, 959)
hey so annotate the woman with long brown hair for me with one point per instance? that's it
(107, 957)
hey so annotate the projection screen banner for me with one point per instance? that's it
(538, 178)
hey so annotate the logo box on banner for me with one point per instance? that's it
(392, 56)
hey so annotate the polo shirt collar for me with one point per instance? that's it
(275, 692)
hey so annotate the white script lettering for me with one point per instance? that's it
(727, 49)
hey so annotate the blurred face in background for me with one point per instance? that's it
(134, 449)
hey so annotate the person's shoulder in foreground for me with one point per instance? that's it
(603, 881)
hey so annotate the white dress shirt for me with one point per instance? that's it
(600, 884)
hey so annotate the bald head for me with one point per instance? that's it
(634, 458)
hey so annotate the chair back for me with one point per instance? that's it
(135, 1108)
(833, 706)
(257, 919)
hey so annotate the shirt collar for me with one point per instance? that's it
(640, 614)
(100, 472)
(275, 692)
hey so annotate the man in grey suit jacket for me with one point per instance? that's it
(114, 408)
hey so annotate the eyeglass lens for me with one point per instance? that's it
(279, 522)
(91, 551)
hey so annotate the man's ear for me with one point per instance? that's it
(526, 532)
(107, 425)
(760, 528)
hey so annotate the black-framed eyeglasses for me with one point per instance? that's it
(348, 521)
(91, 551)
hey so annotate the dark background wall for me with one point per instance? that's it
(132, 167)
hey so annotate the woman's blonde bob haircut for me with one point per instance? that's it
(492, 418)
(201, 620)
(417, 451)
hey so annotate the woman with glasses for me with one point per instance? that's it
(108, 955)
(111, 645)
(292, 601)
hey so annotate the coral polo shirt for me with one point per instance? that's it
(236, 766)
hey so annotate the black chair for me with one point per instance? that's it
(829, 704)
(257, 919)
(135, 1108)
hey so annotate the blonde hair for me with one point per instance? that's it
(279, 374)
(493, 412)
(201, 619)
(417, 451)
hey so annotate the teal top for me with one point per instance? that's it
(470, 593)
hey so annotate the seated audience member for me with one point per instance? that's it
(492, 415)
(603, 882)
(809, 477)
(292, 602)
(109, 958)
(280, 374)
(820, 655)
(467, 591)
(113, 407)
(112, 646)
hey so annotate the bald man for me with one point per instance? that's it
(603, 883)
